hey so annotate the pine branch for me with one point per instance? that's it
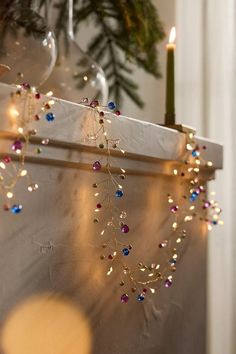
(132, 33)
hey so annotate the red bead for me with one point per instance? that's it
(110, 257)
(99, 206)
(47, 106)
(7, 159)
(117, 113)
(36, 117)
(37, 96)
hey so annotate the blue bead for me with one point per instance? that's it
(172, 261)
(214, 222)
(140, 297)
(193, 196)
(111, 106)
(125, 251)
(119, 193)
(50, 117)
(195, 153)
(16, 208)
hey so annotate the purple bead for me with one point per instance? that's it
(174, 208)
(25, 85)
(17, 145)
(168, 283)
(97, 166)
(125, 229)
(124, 298)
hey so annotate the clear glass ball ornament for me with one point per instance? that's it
(76, 75)
(28, 47)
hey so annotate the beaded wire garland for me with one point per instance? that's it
(146, 278)
(26, 107)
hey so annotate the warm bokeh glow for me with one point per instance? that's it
(46, 324)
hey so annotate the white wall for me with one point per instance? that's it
(151, 90)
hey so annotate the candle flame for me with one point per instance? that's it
(172, 35)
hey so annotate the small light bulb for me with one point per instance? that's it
(175, 172)
(23, 173)
(110, 271)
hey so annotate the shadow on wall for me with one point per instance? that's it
(46, 324)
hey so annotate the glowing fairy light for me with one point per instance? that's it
(174, 225)
(13, 112)
(189, 147)
(23, 173)
(110, 271)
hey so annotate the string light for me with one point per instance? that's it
(24, 110)
(183, 212)
(144, 278)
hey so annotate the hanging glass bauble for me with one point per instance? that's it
(75, 75)
(28, 46)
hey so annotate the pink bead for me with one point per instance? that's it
(17, 145)
(174, 208)
(97, 166)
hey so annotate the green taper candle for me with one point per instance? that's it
(170, 80)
